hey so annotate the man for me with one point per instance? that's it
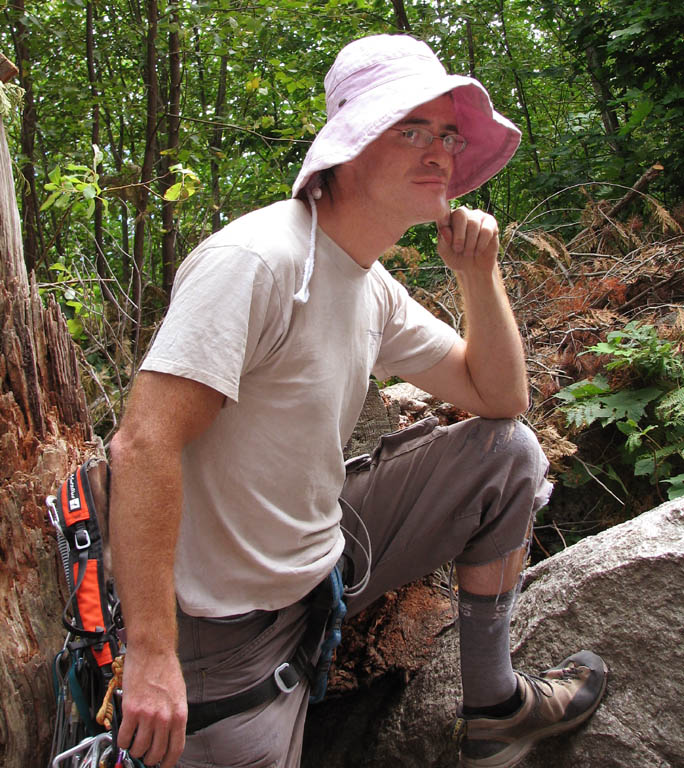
(230, 498)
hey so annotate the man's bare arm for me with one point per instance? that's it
(164, 413)
(485, 374)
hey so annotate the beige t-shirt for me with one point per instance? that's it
(260, 523)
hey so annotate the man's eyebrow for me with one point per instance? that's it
(423, 121)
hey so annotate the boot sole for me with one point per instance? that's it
(514, 753)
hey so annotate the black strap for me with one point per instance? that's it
(284, 678)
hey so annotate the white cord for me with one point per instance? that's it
(358, 588)
(302, 295)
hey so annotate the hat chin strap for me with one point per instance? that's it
(302, 295)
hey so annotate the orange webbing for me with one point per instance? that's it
(90, 610)
(75, 515)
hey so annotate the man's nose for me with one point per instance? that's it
(436, 154)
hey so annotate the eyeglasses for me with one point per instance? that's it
(453, 143)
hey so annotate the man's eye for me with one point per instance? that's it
(410, 134)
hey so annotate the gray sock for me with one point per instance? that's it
(486, 670)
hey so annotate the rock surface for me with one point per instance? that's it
(618, 593)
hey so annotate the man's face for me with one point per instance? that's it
(404, 183)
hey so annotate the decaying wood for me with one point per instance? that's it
(7, 69)
(639, 187)
(45, 432)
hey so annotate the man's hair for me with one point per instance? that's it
(327, 176)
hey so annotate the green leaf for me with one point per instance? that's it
(50, 200)
(174, 192)
(62, 201)
(584, 389)
(75, 327)
(633, 29)
(77, 306)
(676, 491)
(642, 110)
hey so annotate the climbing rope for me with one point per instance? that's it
(106, 711)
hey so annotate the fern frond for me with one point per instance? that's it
(670, 408)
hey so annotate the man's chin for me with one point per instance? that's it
(438, 212)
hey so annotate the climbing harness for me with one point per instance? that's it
(87, 671)
(336, 610)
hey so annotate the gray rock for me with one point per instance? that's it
(618, 593)
(375, 420)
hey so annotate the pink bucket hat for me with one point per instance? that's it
(376, 81)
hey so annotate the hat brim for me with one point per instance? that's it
(491, 139)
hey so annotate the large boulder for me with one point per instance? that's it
(617, 593)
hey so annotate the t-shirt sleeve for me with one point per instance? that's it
(224, 317)
(413, 339)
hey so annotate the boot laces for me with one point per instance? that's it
(543, 686)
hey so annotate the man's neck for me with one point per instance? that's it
(363, 234)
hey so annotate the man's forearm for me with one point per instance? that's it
(494, 350)
(145, 512)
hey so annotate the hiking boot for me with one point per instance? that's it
(556, 701)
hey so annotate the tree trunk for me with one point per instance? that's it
(98, 231)
(217, 145)
(400, 16)
(45, 432)
(604, 98)
(142, 198)
(173, 121)
(29, 205)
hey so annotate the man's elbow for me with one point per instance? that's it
(507, 408)
(133, 443)
(522, 404)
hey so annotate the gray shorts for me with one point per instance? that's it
(428, 495)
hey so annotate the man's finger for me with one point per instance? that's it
(445, 232)
(473, 226)
(158, 748)
(176, 746)
(141, 741)
(126, 732)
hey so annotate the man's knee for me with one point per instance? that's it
(508, 439)
(505, 456)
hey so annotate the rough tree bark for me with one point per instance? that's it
(45, 431)
(151, 153)
(29, 206)
(173, 136)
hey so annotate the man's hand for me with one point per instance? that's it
(468, 241)
(154, 708)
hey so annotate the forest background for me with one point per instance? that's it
(142, 127)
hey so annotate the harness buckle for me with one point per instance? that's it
(280, 682)
(81, 539)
